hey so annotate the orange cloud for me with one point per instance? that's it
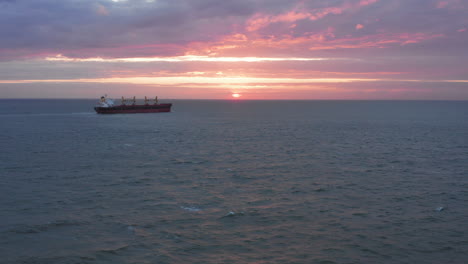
(223, 80)
(187, 58)
(184, 80)
(359, 26)
(325, 40)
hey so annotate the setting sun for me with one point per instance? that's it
(236, 95)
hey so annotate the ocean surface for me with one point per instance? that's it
(234, 182)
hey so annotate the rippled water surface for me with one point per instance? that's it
(234, 182)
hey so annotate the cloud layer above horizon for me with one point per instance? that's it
(400, 49)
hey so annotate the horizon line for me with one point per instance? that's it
(237, 99)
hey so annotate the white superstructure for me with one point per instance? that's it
(105, 102)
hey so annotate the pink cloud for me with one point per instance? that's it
(442, 4)
(359, 26)
(101, 10)
(325, 40)
(261, 20)
(450, 4)
(367, 2)
(375, 41)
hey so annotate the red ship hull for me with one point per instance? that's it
(134, 109)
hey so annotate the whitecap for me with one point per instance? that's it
(232, 214)
(191, 209)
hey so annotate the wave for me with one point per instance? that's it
(191, 209)
(46, 114)
(31, 229)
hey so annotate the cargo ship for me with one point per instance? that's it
(129, 106)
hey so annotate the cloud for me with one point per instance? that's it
(113, 29)
(60, 57)
(77, 26)
(327, 40)
(442, 4)
(101, 10)
(300, 12)
(219, 89)
(450, 4)
(261, 20)
(297, 39)
(367, 2)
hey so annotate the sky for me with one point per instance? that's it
(213, 49)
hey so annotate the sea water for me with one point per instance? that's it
(234, 182)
